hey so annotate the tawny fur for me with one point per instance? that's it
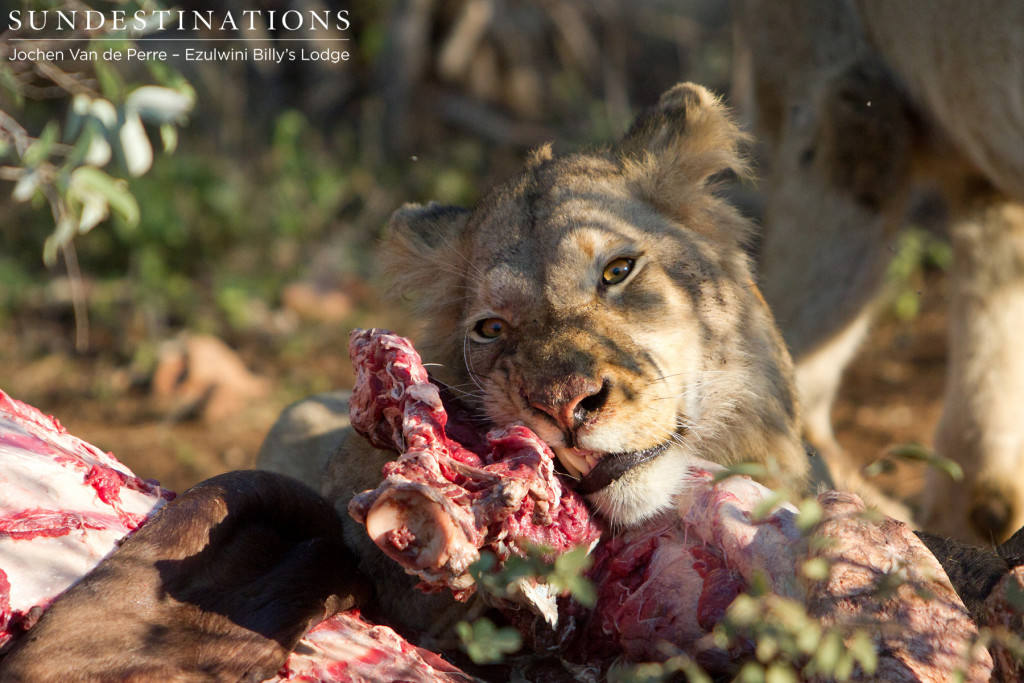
(863, 106)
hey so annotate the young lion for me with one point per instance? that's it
(604, 300)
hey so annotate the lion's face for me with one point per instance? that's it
(621, 326)
(579, 323)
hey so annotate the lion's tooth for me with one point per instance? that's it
(576, 465)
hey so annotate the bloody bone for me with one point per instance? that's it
(442, 501)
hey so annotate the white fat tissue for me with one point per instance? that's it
(64, 505)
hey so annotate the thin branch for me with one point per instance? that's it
(78, 300)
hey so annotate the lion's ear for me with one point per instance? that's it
(422, 248)
(673, 148)
(423, 260)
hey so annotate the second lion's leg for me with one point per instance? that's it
(834, 205)
(822, 266)
(837, 145)
(982, 425)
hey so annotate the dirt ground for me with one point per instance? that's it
(891, 397)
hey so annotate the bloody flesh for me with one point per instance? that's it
(662, 587)
(442, 501)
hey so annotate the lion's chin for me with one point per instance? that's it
(646, 483)
(595, 469)
(610, 467)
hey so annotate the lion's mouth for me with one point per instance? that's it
(596, 470)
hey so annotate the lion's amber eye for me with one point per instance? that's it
(617, 271)
(490, 328)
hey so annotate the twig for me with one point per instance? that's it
(78, 301)
(16, 132)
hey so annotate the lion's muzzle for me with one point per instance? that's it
(572, 402)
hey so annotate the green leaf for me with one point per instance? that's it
(99, 151)
(744, 610)
(574, 562)
(752, 672)
(110, 81)
(485, 643)
(939, 254)
(743, 469)
(879, 467)
(817, 569)
(483, 565)
(26, 187)
(169, 137)
(138, 152)
(158, 104)
(790, 614)
(88, 179)
(907, 304)
(10, 83)
(826, 658)
(105, 112)
(94, 209)
(809, 514)
(862, 649)
(913, 452)
(766, 649)
(767, 505)
(516, 568)
(917, 453)
(39, 150)
(844, 667)
(759, 584)
(871, 516)
(808, 637)
(582, 590)
(947, 466)
(77, 114)
(780, 672)
(66, 228)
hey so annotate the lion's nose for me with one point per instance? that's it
(572, 403)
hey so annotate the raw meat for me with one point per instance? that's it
(442, 501)
(64, 505)
(713, 550)
(715, 547)
(347, 649)
(669, 582)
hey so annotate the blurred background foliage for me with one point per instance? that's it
(254, 218)
(271, 184)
